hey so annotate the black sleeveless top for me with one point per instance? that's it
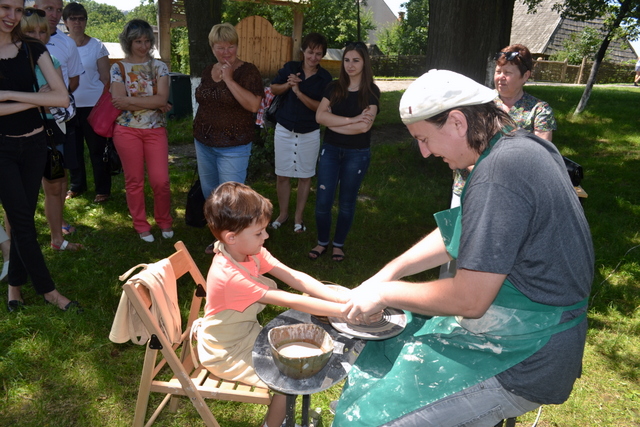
(16, 75)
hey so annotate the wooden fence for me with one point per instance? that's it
(543, 71)
(260, 44)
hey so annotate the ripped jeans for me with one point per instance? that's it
(345, 167)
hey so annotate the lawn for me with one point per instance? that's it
(60, 369)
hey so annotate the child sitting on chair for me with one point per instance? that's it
(237, 290)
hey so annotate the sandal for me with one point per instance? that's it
(101, 198)
(314, 254)
(66, 246)
(68, 229)
(277, 224)
(299, 228)
(338, 257)
(72, 194)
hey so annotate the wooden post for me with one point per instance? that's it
(564, 70)
(582, 66)
(297, 33)
(164, 31)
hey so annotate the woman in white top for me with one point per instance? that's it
(95, 60)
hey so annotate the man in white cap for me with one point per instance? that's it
(507, 332)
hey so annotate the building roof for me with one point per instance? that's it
(545, 31)
(382, 17)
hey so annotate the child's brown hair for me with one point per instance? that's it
(234, 207)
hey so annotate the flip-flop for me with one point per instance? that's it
(277, 224)
(299, 228)
(68, 229)
(317, 254)
(64, 246)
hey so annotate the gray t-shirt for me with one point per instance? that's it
(522, 217)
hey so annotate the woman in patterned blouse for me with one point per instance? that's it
(513, 68)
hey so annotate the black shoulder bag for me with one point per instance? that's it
(54, 169)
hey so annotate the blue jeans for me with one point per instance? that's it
(345, 167)
(217, 165)
(22, 163)
(482, 405)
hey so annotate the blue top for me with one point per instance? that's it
(293, 114)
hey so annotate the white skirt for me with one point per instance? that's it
(296, 153)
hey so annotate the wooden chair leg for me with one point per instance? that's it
(145, 386)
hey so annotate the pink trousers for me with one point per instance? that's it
(137, 148)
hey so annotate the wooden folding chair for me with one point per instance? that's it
(196, 383)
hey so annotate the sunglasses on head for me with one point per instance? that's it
(510, 56)
(28, 11)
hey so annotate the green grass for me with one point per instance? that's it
(60, 369)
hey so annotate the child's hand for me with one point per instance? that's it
(374, 318)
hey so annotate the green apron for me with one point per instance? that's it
(435, 357)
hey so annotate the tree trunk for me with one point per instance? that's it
(622, 14)
(201, 16)
(464, 35)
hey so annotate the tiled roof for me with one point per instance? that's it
(544, 32)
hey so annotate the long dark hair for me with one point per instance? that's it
(341, 86)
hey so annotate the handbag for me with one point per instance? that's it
(272, 109)
(111, 158)
(103, 115)
(54, 167)
(194, 211)
(574, 170)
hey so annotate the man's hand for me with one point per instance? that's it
(366, 303)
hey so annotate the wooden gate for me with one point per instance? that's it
(260, 44)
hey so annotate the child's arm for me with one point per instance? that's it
(302, 303)
(307, 284)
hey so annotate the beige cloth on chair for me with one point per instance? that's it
(160, 280)
(225, 339)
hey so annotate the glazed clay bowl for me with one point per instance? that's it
(300, 351)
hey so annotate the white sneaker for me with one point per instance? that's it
(148, 239)
(167, 234)
(5, 270)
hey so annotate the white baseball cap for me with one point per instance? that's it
(440, 90)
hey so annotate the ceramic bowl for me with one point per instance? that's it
(299, 366)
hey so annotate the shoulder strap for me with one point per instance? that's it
(35, 84)
(124, 77)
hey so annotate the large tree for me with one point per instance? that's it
(464, 35)
(201, 16)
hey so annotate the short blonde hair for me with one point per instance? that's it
(33, 23)
(223, 33)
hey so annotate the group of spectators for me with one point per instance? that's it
(480, 345)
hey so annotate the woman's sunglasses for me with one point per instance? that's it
(509, 56)
(28, 11)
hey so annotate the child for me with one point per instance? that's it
(237, 290)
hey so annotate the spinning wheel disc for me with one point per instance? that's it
(393, 322)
